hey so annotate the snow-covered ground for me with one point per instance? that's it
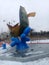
(39, 41)
(44, 61)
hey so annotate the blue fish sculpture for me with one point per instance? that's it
(21, 45)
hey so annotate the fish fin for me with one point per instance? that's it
(32, 14)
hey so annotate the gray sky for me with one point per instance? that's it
(9, 11)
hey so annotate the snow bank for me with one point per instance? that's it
(44, 61)
(39, 41)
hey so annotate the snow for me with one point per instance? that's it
(44, 61)
(39, 41)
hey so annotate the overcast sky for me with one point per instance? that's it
(9, 11)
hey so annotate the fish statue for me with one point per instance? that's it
(17, 29)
